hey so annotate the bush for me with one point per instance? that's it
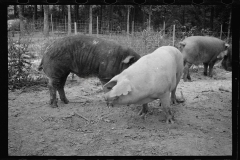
(18, 64)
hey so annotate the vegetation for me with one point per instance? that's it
(115, 17)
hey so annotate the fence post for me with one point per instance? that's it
(173, 33)
(132, 27)
(221, 32)
(75, 27)
(163, 28)
(90, 19)
(51, 23)
(97, 26)
(65, 23)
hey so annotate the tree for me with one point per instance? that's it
(63, 11)
(110, 10)
(42, 11)
(90, 19)
(128, 13)
(69, 19)
(46, 25)
(20, 14)
(76, 12)
(100, 24)
(15, 11)
(35, 12)
(212, 16)
(148, 9)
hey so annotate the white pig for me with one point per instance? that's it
(153, 76)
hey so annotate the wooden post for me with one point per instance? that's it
(90, 19)
(163, 28)
(221, 32)
(132, 27)
(97, 26)
(51, 23)
(173, 33)
(75, 27)
(65, 23)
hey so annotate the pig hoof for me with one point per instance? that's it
(52, 101)
(54, 105)
(66, 101)
(205, 74)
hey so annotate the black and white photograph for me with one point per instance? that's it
(120, 80)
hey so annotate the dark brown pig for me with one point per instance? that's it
(201, 49)
(226, 59)
(84, 56)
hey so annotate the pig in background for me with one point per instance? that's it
(153, 76)
(84, 56)
(201, 49)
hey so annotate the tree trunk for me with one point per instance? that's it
(110, 13)
(23, 10)
(90, 19)
(35, 12)
(42, 11)
(128, 13)
(133, 16)
(63, 13)
(20, 14)
(143, 19)
(204, 17)
(229, 25)
(76, 12)
(15, 11)
(149, 17)
(46, 25)
(211, 18)
(183, 16)
(100, 19)
(69, 20)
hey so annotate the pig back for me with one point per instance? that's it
(202, 49)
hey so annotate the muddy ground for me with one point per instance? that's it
(86, 126)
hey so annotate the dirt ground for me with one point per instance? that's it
(86, 126)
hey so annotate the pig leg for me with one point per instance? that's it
(61, 91)
(52, 90)
(205, 69)
(211, 64)
(143, 111)
(186, 74)
(165, 100)
(174, 99)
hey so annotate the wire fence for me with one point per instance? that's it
(141, 38)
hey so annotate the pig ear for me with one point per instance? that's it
(226, 45)
(108, 86)
(127, 59)
(122, 88)
(182, 43)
